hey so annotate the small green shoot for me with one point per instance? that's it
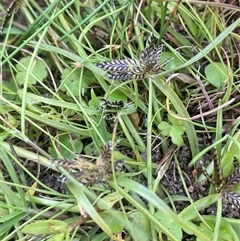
(175, 130)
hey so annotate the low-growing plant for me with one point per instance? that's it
(107, 108)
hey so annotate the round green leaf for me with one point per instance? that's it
(141, 226)
(114, 223)
(38, 71)
(72, 79)
(216, 74)
(170, 223)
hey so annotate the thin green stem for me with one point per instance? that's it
(149, 153)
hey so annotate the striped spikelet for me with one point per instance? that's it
(147, 64)
(233, 198)
(224, 186)
(87, 172)
(233, 179)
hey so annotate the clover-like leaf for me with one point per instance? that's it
(38, 71)
(164, 127)
(176, 133)
(175, 130)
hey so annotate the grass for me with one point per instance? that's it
(51, 91)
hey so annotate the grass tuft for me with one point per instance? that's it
(90, 156)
